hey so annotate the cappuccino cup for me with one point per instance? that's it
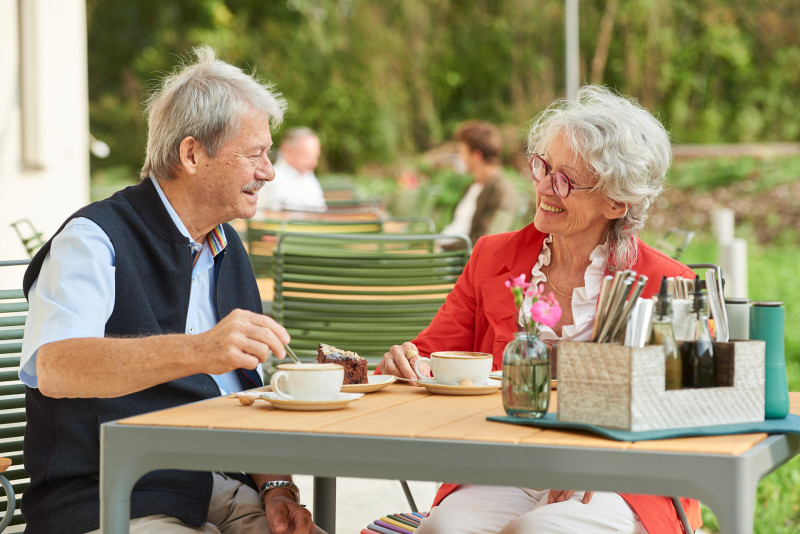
(307, 382)
(458, 368)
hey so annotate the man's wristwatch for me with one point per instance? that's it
(274, 484)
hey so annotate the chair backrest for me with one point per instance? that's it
(13, 312)
(262, 236)
(361, 292)
(674, 242)
(30, 237)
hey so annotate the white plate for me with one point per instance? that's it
(340, 401)
(489, 387)
(374, 383)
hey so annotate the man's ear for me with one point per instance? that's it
(189, 152)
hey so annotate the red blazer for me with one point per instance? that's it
(479, 315)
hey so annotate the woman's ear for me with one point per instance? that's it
(616, 210)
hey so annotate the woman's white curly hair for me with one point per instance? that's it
(623, 144)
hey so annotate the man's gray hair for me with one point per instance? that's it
(204, 100)
(293, 135)
(623, 144)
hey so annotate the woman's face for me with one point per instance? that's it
(583, 215)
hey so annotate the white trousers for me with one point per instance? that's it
(509, 510)
(235, 508)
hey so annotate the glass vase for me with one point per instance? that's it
(526, 377)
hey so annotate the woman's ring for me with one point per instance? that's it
(410, 354)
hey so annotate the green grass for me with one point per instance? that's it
(706, 174)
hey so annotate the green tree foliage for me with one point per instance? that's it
(381, 80)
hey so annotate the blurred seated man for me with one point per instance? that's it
(491, 197)
(295, 186)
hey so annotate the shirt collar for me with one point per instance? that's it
(216, 237)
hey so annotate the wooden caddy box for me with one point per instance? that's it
(623, 387)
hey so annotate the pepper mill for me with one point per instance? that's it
(766, 323)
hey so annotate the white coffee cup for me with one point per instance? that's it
(307, 381)
(458, 367)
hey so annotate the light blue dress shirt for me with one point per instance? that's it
(73, 297)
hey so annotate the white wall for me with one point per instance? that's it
(54, 48)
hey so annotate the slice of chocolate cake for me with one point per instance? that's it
(355, 367)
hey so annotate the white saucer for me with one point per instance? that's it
(374, 383)
(340, 401)
(489, 387)
(498, 375)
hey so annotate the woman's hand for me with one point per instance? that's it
(564, 495)
(400, 359)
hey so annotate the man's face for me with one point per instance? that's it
(466, 156)
(229, 182)
(302, 154)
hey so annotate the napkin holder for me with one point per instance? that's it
(623, 387)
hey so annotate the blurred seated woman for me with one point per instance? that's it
(598, 164)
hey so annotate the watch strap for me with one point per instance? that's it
(266, 487)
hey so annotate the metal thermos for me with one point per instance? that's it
(766, 323)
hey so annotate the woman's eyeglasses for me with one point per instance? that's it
(562, 185)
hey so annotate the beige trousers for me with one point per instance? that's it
(509, 510)
(235, 508)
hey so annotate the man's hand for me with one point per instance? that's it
(112, 367)
(564, 495)
(242, 339)
(284, 516)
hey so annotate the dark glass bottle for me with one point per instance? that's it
(663, 334)
(698, 354)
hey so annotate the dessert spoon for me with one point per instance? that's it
(291, 354)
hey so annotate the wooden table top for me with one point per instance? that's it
(404, 411)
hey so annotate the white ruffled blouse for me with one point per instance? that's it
(584, 299)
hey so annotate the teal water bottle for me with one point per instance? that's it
(766, 323)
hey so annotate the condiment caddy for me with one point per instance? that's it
(623, 387)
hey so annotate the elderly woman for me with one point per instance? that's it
(597, 164)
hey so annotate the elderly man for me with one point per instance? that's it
(295, 186)
(146, 300)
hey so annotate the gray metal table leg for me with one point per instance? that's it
(116, 483)
(737, 516)
(325, 503)
(120, 468)
(733, 489)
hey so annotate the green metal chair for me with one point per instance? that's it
(30, 237)
(675, 241)
(262, 236)
(14, 479)
(361, 292)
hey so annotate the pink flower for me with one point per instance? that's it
(535, 291)
(545, 313)
(518, 281)
(544, 310)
